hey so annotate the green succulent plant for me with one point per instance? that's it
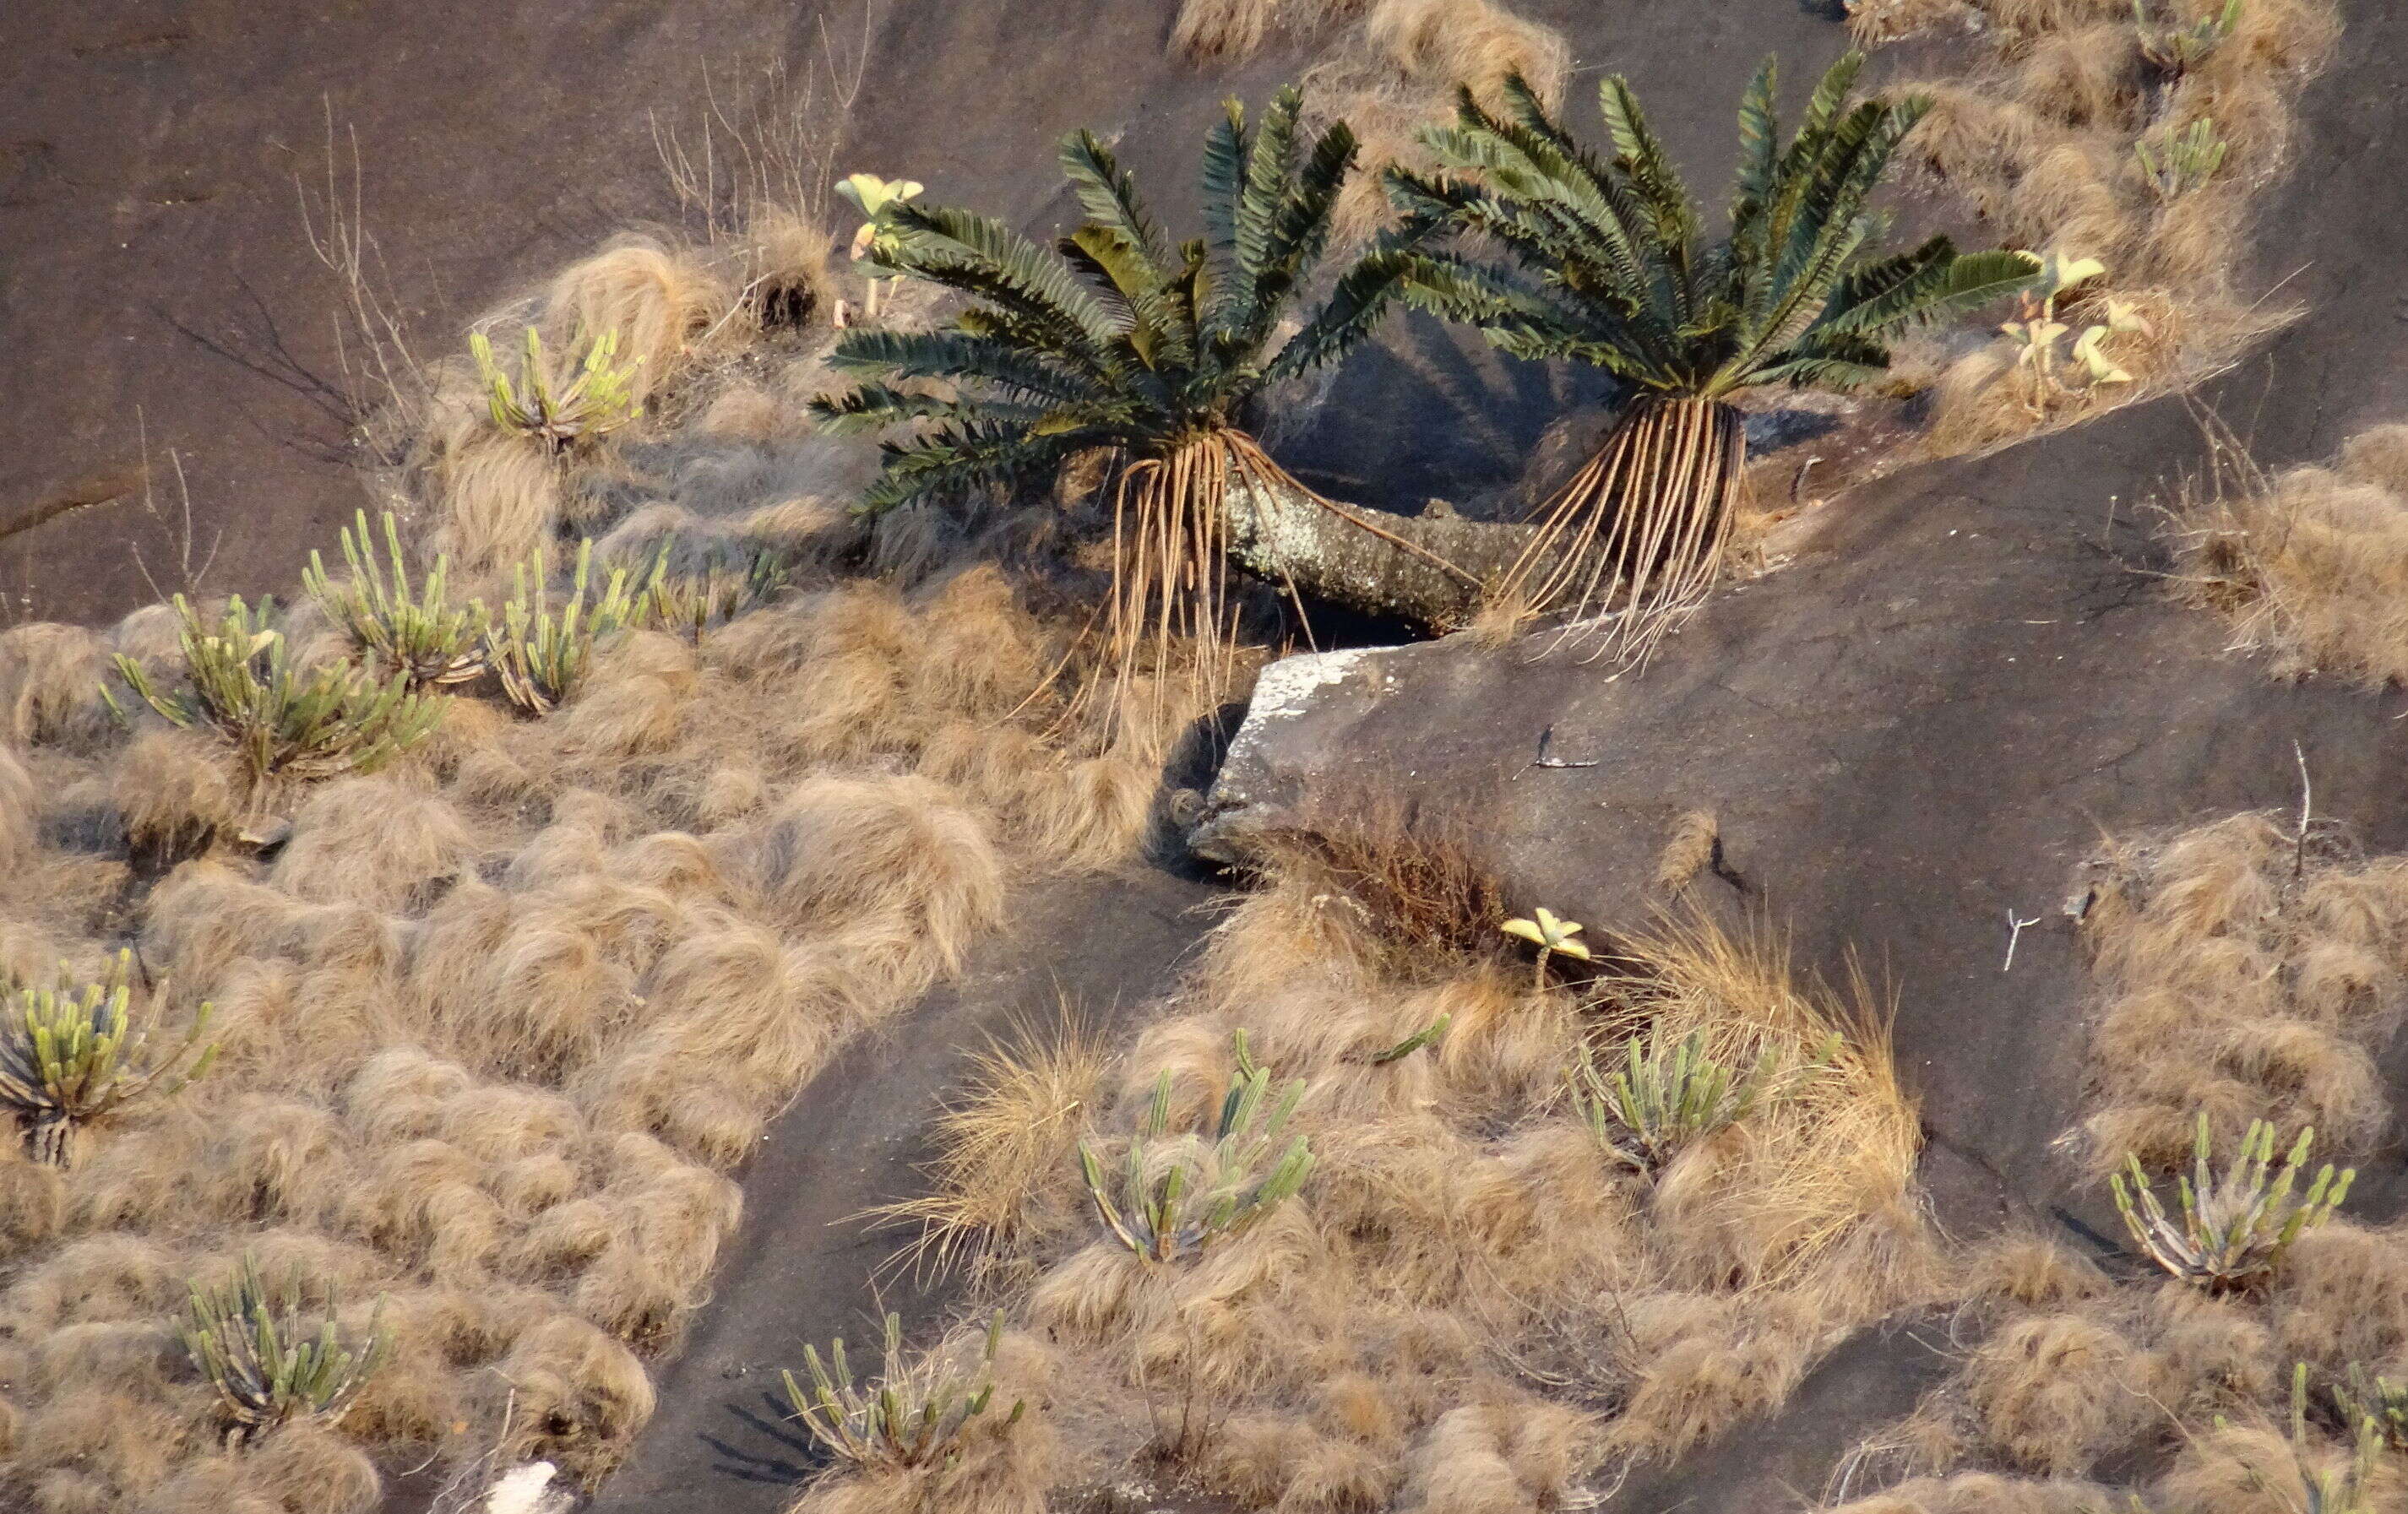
(2234, 1229)
(1666, 1095)
(70, 1055)
(269, 1367)
(2179, 160)
(1178, 1195)
(542, 650)
(910, 1416)
(714, 591)
(534, 402)
(281, 721)
(2182, 43)
(421, 636)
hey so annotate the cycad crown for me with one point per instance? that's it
(1121, 341)
(1161, 356)
(1610, 267)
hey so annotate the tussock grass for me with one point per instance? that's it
(2037, 140)
(1466, 1302)
(495, 1022)
(1003, 1146)
(2308, 564)
(2247, 975)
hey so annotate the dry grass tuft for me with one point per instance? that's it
(1006, 1146)
(2248, 975)
(2036, 140)
(1418, 884)
(2309, 566)
(1694, 845)
(657, 299)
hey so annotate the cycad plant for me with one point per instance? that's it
(2233, 1229)
(1163, 356)
(534, 402)
(1177, 1196)
(1608, 264)
(283, 722)
(71, 1054)
(541, 649)
(421, 636)
(266, 1362)
(912, 1415)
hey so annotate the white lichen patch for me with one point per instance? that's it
(1286, 688)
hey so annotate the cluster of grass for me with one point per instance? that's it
(2240, 1356)
(2134, 134)
(2308, 564)
(1417, 1281)
(500, 1003)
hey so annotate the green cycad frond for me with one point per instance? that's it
(1011, 366)
(984, 257)
(1113, 339)
(1611, 265)
(967, 456)
(1108, 193)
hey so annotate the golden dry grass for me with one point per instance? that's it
(1470, 1307)
(496, 1023)
(2245, 976)
(1004, 1142)
(2309, 565)
(2036, 142)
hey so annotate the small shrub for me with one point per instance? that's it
(1213, 1189)
(1553, 935)
(2054, 373)
(873, 197)
(1669, 1094)
(282, 721)
(269, 1367)
(2183, 44)
(541, 654)
(688, 604)
(911, 1416)
(601, 398)
(2178, 162)
(70, 1055)
(2234, 1230)
(2370, 1397)
(423, 637)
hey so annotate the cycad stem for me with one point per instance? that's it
(1634, 540)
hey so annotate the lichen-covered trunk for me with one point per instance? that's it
(1432, 570)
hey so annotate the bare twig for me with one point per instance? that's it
(2299, 842)
(1547, 739)
(2014, 934)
